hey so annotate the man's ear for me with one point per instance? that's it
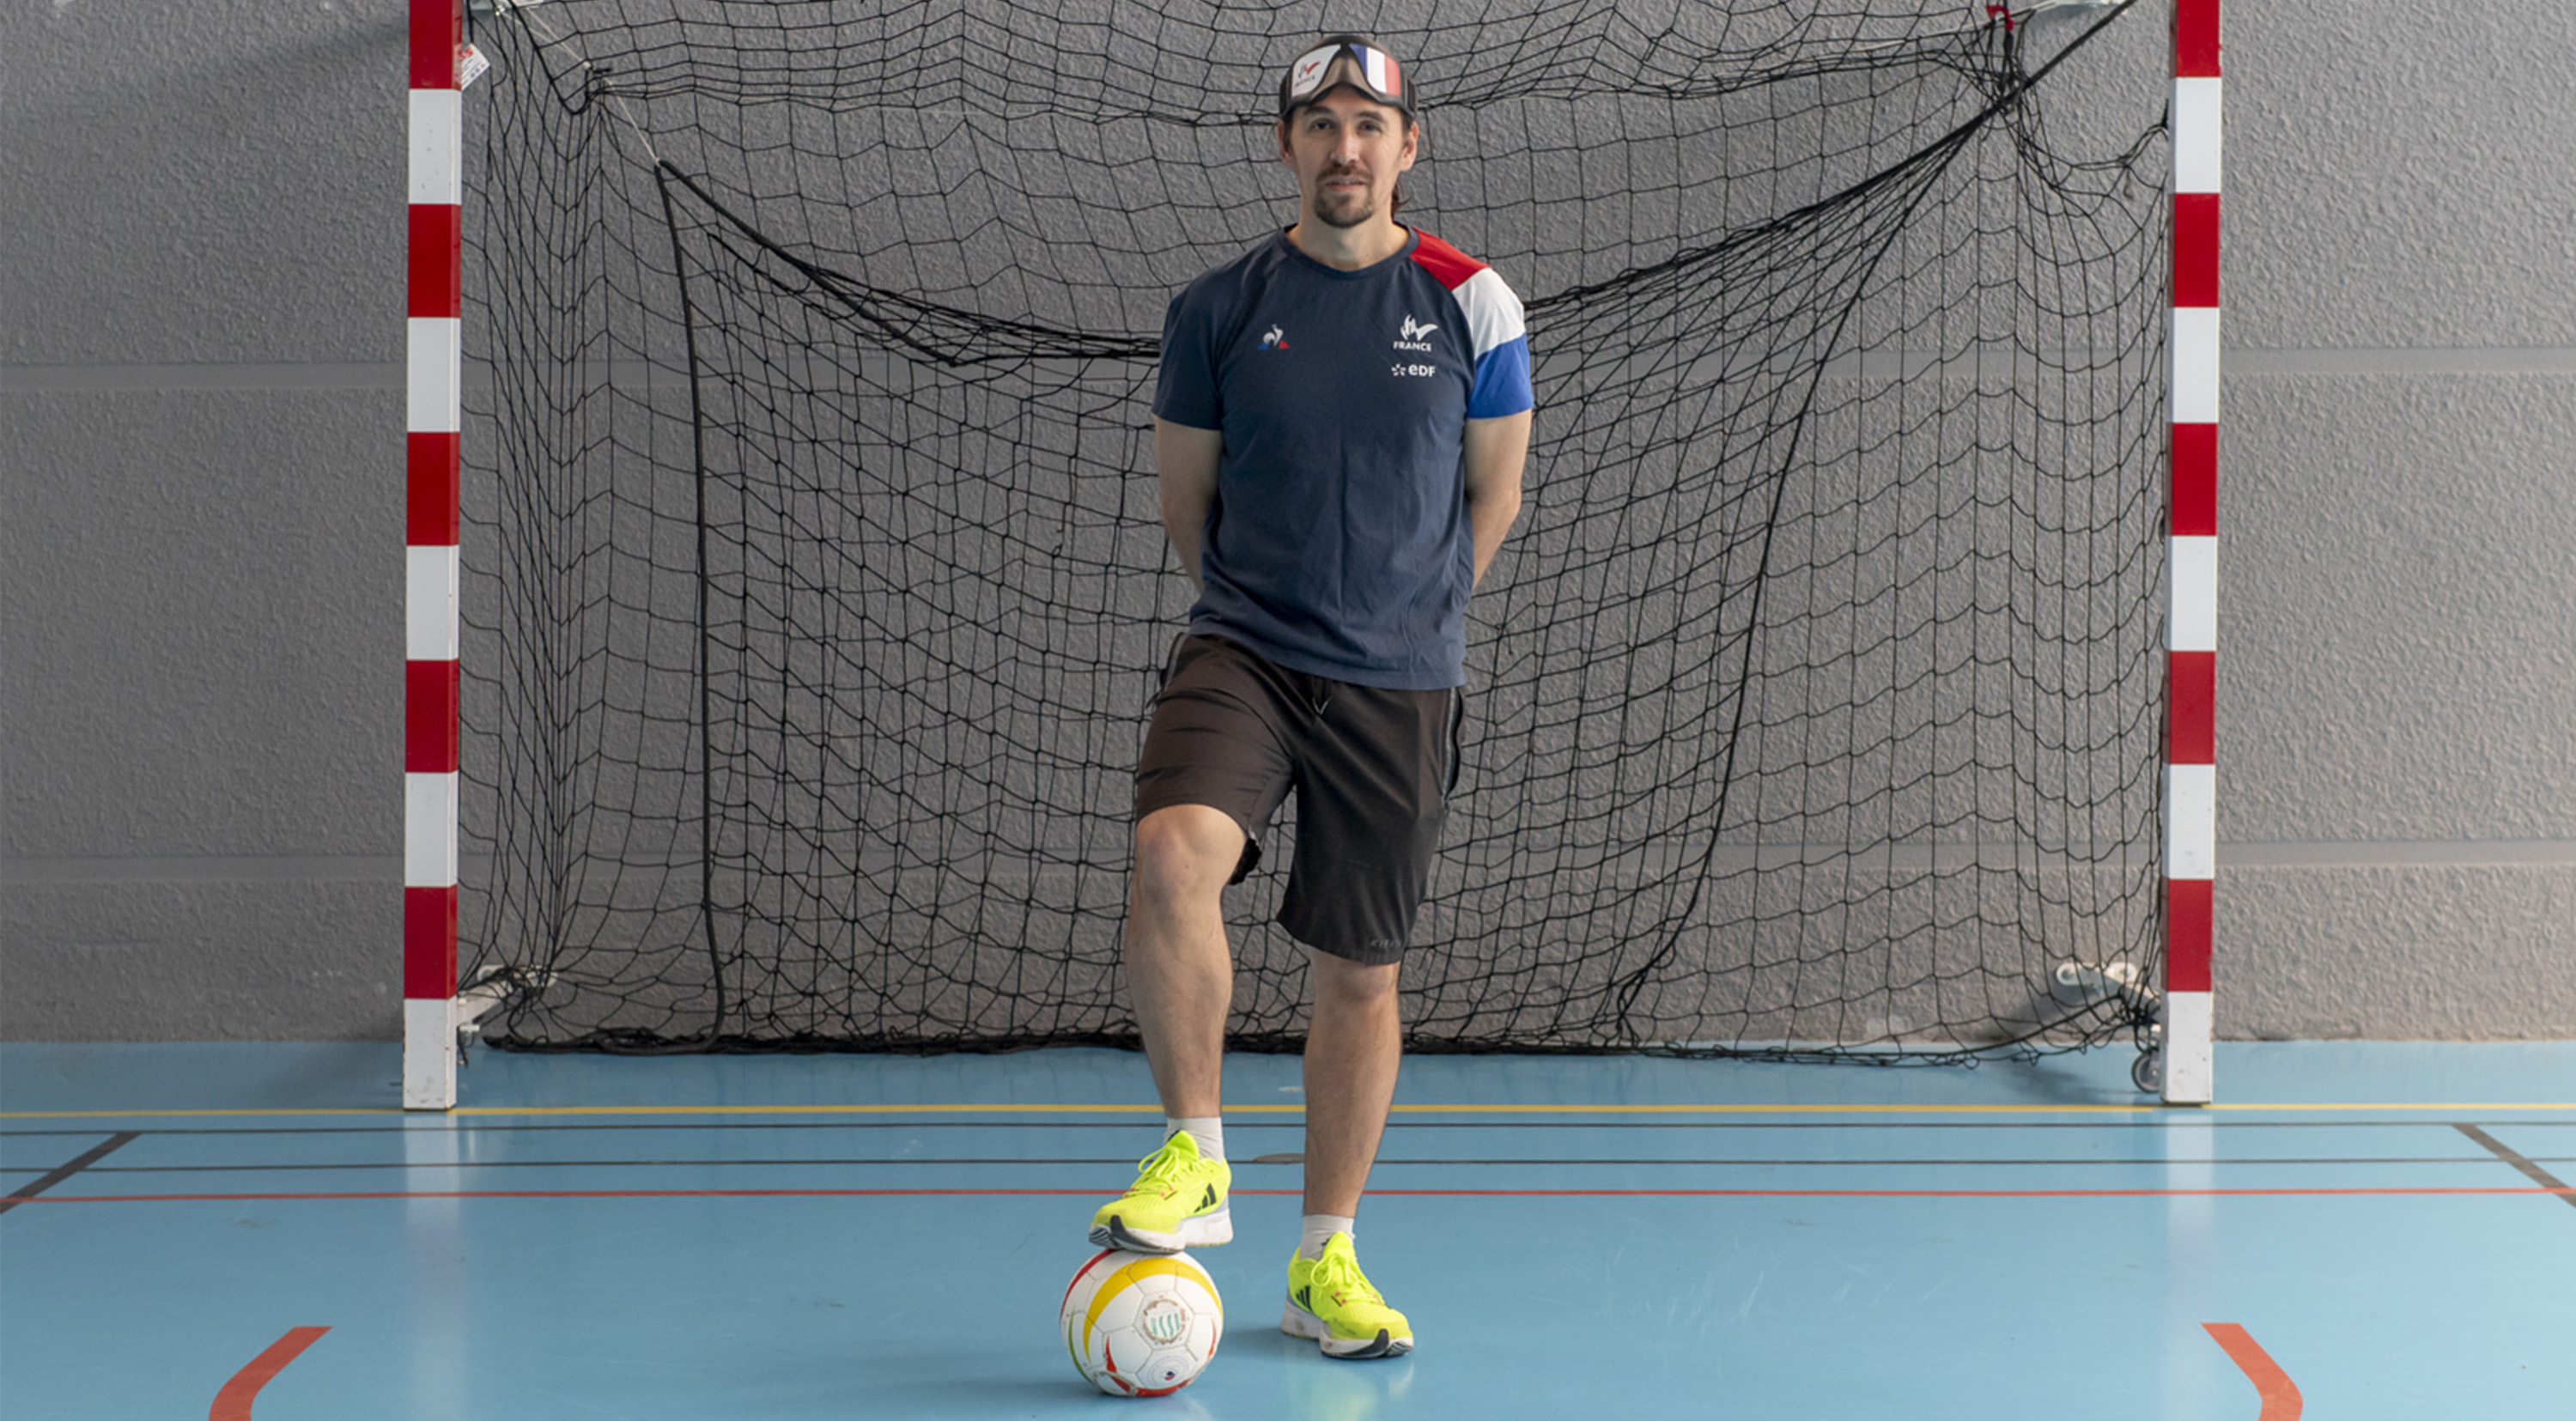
(1280, 131)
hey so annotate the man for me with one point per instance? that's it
(1339, 431)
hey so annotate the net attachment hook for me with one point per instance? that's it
(491, 988)
(2077, 983)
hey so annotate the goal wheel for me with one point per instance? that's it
(2148, 1071)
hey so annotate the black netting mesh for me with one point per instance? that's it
(816, 584)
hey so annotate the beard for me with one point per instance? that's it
(1344, 210)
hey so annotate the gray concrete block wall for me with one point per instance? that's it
(2397, 625)
(201, 519)
(200, 512)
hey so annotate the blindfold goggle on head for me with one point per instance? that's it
(1366, 68)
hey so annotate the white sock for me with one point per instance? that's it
(1320, 1229)
(1208, 1130)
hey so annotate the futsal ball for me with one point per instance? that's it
(1141, 1324)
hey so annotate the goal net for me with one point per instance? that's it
(816, 584)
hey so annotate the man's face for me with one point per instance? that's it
(1346, 149)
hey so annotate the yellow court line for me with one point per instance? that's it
(970, 1108)
(184, 1114)
(1266, 1109)
(2355, 1105)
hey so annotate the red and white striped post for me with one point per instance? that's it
(2191, 774)
(436, 359)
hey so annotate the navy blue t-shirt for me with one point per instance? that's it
(1338, 543)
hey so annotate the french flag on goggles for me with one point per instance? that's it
(1365, 67)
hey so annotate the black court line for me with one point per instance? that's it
(2529, 1167)
(1122, 1162)
(82, 1161)
(2147, 1123)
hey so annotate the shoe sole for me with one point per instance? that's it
(1297, 1322)
(1197, 1231)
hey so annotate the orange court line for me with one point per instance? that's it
(233, 1402)
(2280, 1395)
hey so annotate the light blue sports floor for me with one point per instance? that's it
(844, 1236)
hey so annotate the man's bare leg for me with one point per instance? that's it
(1351, 1058)
(1180, 972)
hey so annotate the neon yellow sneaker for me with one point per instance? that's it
(1330, 1300)
(1177, 1202)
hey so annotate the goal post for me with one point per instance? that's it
(432, 574)
(1823, 705)
(2191, 794)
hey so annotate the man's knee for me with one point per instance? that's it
(1345, 983)
(1185, 852)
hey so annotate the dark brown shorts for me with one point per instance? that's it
(1236, 733)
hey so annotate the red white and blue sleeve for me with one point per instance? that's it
(1497, 340)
